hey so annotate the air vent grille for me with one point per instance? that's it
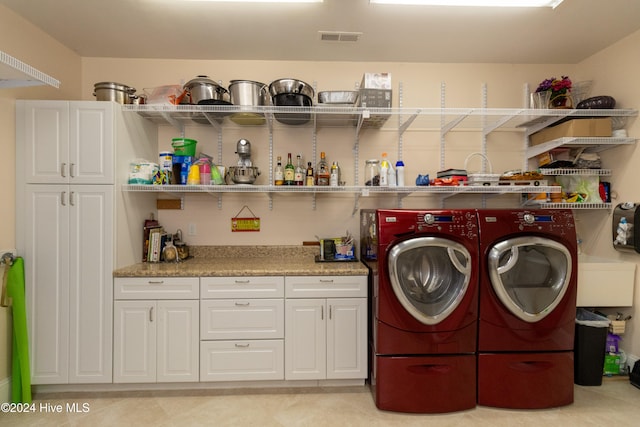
(339, 36)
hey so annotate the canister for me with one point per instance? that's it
(166, 160)
(372, 172)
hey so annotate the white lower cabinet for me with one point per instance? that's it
(326, 338)
(242, 328)
(156, 339)
(241, 360)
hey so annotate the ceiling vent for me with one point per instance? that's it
(339, 36)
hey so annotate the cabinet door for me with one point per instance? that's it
(134, 342)
(178, 341)
(45, 229)
(347, 338)
(91, 226)
(42, 135)
(66, 142)
(305, 339)
(91, 142)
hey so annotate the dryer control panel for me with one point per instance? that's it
(398, 223)
(549, 221)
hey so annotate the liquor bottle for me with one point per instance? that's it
(278, 173)
(322, 171)
(334, 177)
(289, 172)
(299, 175)
(309, 179)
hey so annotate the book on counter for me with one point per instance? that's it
(154, 243)
(149, 224)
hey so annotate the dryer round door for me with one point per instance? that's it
(530, 275)
(429, 276)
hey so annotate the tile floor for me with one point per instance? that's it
(616, 403)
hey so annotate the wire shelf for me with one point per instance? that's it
(363, 190)
(569, 171)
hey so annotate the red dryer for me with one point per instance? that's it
(527, 308)
(425, 301)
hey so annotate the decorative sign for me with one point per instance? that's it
(245, 223)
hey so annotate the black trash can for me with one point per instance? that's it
(589, 347)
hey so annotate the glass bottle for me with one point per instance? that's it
(278, 173)
(322, 171)
(334, 177)
(300, 171)
(309, 179)
(289, 172)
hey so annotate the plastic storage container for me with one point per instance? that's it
(184, 146)
(589, 347)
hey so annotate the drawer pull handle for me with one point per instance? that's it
(151, 314)
(242, 345)
(243, 281)
(322, 312)
(155, 282)
(326, 280)
(330, 312)
(63, 168)
(242, 304)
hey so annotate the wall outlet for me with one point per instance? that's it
(192, 229)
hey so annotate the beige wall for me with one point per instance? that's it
(615, 72)
(27, 43)
(293, 218)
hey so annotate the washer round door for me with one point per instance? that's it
(429, 276)
(530, 275)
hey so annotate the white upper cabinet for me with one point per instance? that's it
(66, 141)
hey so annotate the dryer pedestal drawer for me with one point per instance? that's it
(425, 384)
(525, 380)
(241, 360)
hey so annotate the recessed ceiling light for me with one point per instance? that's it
(479, 3)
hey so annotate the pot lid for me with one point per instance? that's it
(115, 86)
(202, 80)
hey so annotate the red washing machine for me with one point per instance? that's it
(527, 308)
(424, 308)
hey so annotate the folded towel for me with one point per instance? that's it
(20, 372)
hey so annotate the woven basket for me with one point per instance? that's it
(481, 178)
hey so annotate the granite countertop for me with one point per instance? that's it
(220, 261)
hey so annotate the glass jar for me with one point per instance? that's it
(372, 173)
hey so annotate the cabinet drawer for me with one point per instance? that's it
(242, 287)
(156, 288)
(241, 360)
(241, 319)
(325, 286)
